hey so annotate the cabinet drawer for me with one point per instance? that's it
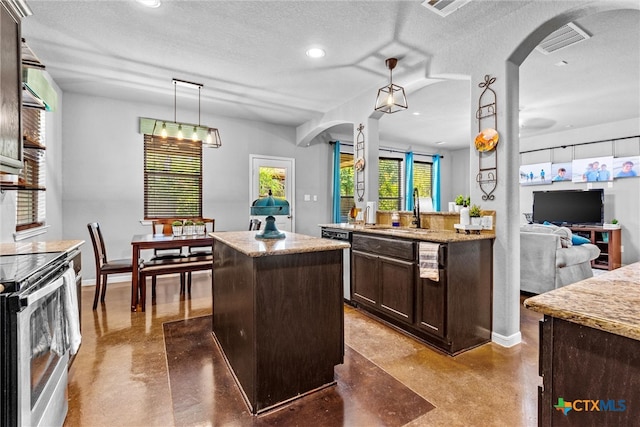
(394, 248)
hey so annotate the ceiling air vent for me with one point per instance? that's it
(565, 36)
(444, 7)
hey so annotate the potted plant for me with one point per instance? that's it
(188, 227)
(459, 202)
(199, 227)
(613, 225)
(474, 213)
(176, 227)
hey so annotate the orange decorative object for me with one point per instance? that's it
(487, 140)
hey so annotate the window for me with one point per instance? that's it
(422, 178)
(30, 206)
(272, 179)
(172, 178)
(389, 184)
(346, 185)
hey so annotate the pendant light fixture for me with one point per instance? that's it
(208, 136)
(391, 98)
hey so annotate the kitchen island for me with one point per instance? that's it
(590, 351)
(450, 309)
(278, 313)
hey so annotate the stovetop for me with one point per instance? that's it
(15, 269)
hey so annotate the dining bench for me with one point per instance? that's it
(162, 266)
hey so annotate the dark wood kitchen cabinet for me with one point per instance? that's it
(431, 304)
(10, 87)
(452, 314)
(384, 272)
(278, 314)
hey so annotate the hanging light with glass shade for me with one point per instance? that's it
(208, 136)
(391, 98)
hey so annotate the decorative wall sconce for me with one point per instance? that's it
(210, 137)
(391, 98)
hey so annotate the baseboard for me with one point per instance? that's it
(505, 341)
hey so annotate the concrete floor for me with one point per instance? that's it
(120, 376)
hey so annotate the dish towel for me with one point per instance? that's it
(71, 310)
(428, 256)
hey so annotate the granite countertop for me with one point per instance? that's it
(39, 247)
(609, 302)
(246, 242)
(439, 236)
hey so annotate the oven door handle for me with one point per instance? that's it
(42, 292)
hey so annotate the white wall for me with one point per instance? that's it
(103, 176)
(622, 196)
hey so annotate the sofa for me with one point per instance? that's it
(549, 259)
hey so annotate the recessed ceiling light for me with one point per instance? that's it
(441, 142)
(416, 113)
(315, 52)
(149, 3)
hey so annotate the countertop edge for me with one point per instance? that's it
(607, 302)
(246, 243)
(427, 235)
(39, 247)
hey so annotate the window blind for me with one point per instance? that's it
(389, 184)
(172, 178)
(30, 205)
(422, 179)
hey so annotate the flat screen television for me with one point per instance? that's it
(569, 207)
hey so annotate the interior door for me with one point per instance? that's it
(278, 175)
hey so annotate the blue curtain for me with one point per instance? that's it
(408, 179)
(336, 183)
(436, 183)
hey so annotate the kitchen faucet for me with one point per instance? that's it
(416, 208)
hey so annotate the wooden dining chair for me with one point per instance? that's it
(254, 224)
(167, 254)
(201, 251)
(104, 266)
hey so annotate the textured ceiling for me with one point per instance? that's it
(249, 55)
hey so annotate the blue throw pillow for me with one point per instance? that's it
(579, 240)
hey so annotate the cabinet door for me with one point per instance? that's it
(10, 92)
(397, 288)
(431, 305)
(364, 278)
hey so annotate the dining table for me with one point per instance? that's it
(141, 242)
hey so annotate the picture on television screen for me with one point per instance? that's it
(569, 207)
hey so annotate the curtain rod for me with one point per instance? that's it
(391, 150)
(580, 143)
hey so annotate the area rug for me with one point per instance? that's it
(204, 392)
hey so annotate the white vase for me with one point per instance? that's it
(476, 221)
(464, 216)
(177, 230)
(458, 207)
(188, 230)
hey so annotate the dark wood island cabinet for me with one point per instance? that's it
(590, 351)
(453, 313)
(278, 313)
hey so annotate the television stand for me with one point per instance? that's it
(607, 240)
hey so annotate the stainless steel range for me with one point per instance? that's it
(37, 335)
